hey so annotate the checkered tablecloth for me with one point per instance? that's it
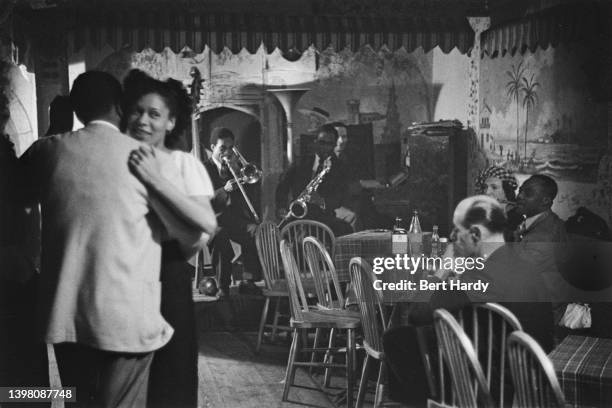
(366, 244)
(584, 368)
(369, 245)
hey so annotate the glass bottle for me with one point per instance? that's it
(399, 238)
(415, 224)
(435, 242)
(415, 236)
(443, 245)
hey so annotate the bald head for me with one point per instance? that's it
(480, 210)
(477, 220)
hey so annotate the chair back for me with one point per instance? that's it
(267, 241)
(297, 298)
(533, 374)
(372, 316)
(469, 384)
(491, 324)
(296, 231)
(323, 271)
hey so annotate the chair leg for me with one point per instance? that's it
(380, 384)
(313, 355)
(329, 357)
(290, 373)
(276, 316)
(363, 383)
(262, 324)
(350, 358)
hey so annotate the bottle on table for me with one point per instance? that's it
(399, 238)
(415, 236)
(435, 242)
(443, 245)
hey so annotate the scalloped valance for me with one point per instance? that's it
(157, 31)
(585, 23)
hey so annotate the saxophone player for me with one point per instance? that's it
(326, 203)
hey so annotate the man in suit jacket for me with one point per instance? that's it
(542, 236)
(332, 191)
(479, 227)
(234, 219)
(101, 253)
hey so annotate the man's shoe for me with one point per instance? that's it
(249, 288)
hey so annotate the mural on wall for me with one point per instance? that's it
(379, 92)
(357, 88)
(539, 116)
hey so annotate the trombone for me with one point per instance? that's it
(249, 174)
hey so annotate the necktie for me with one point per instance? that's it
(521, 231)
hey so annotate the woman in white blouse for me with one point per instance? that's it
(156, 112)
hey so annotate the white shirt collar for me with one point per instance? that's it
(103, 123)
(529, 221)
(315, 165)
(217, 163)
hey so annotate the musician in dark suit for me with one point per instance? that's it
(331, 192)
(233, 216)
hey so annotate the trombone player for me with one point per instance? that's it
(236, 221)
(326, 204)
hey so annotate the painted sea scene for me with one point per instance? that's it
(562, 161)
(531, 126)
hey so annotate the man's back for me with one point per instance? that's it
(101, 243)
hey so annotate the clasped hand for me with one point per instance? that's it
(144, 164)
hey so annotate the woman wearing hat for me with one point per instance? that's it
(501, 184)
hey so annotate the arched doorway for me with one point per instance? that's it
(246, 129)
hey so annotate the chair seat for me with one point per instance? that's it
(280, 288)
(340, 319)
(275, 293)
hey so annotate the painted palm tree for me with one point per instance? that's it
(513, 90)
(530, 99)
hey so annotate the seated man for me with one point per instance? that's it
(326, 203)
(479, 226)
(234, 219)
(542, 234)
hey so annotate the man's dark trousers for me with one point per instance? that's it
(102, 378)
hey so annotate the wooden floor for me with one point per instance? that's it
(230, 373)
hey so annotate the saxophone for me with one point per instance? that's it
(298, 208)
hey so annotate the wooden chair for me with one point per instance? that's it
(323, 271)
(497, 322)
(469, 385)
(303, 319)
(535, 382)
(267, 241)
(297, 230)
(373, 324)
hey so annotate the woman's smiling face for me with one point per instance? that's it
(149, 120)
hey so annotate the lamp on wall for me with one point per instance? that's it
(288, 98)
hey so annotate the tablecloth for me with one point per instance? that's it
(584, 368)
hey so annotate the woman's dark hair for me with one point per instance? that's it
(138, 84)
